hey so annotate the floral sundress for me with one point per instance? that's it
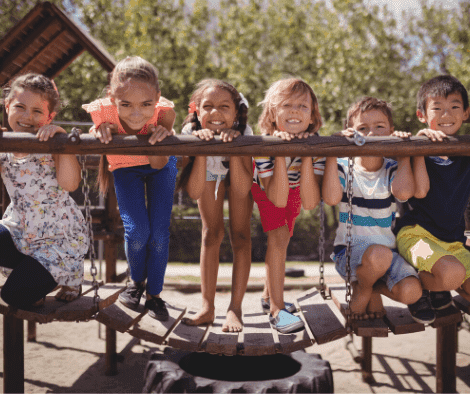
(44, 221)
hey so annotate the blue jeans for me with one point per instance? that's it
(145, 198)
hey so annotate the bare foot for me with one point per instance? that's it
(233, 321)
(69, 293)
(359, 301)
(375, 308)
(202, 317)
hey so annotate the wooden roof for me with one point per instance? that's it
(46, 41)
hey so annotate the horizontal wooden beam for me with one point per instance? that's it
(241, 146)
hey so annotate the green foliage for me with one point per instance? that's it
(342, 48)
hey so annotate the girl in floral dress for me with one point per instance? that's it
(43, 236)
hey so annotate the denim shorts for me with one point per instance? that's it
(398, 270)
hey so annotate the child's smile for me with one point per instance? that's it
(135, 101)
(294, 115)
(445, 114)
(28, 111)
(217, 109)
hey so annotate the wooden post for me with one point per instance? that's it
(366, 362)
(110, 255)
(446, 358)
(13, 355)
(111, 355)
(112, 220)
(31, 331)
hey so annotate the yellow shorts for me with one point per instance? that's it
(422, 249)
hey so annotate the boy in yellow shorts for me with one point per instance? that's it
(431, 235)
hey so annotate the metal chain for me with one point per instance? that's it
(349, 222)
(87, 204)
(321, 249)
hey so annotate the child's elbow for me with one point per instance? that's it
(331, 201)
(421, 193)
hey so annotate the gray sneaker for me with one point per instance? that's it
(132, 295)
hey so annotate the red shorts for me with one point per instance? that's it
(273, 217)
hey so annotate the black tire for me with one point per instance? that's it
(295, 272)
(176, 371)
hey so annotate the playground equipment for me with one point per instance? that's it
(324, 310)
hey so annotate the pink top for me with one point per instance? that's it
(103, 110)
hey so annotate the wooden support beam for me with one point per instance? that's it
(13, 354)
(241, 146)
(366, 362)
(446, 342)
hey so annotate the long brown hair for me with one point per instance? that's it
(192, 118)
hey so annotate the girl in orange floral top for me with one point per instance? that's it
(144, 185)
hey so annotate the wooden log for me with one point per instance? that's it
(241, 146)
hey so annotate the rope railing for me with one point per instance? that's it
(242, 146)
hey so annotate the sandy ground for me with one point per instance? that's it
(69, 357)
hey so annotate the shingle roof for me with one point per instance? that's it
(46, 41)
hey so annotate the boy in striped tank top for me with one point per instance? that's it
(376, 266)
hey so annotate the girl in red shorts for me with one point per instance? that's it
(290, 110)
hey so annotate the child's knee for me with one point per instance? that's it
(212, 235)
(449, 272)
(279, 238)
(240, 240)
(408, 290)
(377, 258)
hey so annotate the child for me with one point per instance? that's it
(217, 108)
(431, 235)
(376, 267)
(144, 185)
(43, 235)
(282, 184)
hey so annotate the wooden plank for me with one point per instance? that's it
(219, 342)
(187, 337)
(399, 319)
(119, 317)
(155, 331)
(447, 316)
(322, 321)
(288, 343)
(362, 328)
(45, 313)
(256, 338)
